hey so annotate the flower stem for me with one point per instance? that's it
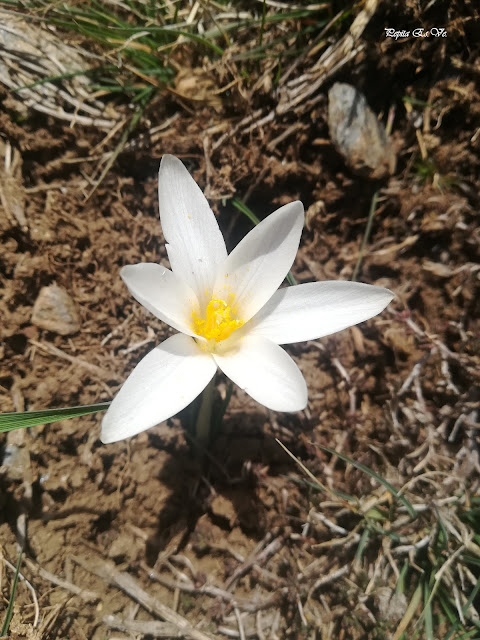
(204, 416)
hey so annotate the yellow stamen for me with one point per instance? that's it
(219, 321)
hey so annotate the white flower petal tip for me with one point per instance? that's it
(260, 262)
(195, 244)
(267, 373)
(162, 384)
(162, 293)
(316, 309)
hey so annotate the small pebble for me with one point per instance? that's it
(54, 310)
(13, 461)
(357, 134)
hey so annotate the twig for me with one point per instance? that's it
(309, 52)
(270, 550)
(414, 373)
(81, 184)
(300, 611)
(155, 132)
(408, 548)
(241, 630)
(231, 132)
(352, 389)
(448, 376)
(50, 348)
(116, 330)
(124, 581)
(329, 62)
(233, 633)
(259, 627)
(443, 348)
(328, 523)
(214, 592)
(285, 134)
(150, 337)
(89, 596)
(152, 628)
(61, 114)
(208, 165)
(331, 577)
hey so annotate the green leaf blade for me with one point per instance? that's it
(361, 467)
(22, 420)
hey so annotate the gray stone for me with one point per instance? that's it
(54, 310)
(357, 134)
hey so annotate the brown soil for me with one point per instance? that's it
(238, 522)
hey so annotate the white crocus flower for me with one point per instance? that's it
(227, 309)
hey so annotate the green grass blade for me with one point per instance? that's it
(409, 613)
(456, 623)
(442, 535)
(22, 420)
(316, 486)
(362, 545)
(238, 204)
(290, 279)
(452, 617)
(400, 588)
(366, 236)
(361, 467)
(471, 598)
(62, 76)
(126, 31)
(428, 614)
(9, 613)
(468, 559)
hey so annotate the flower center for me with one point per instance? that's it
(219, 321)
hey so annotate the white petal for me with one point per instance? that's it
(259, 263)
(162, 293)
(316, 309)
(164, 382)
(266, 372)
(195, 244)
